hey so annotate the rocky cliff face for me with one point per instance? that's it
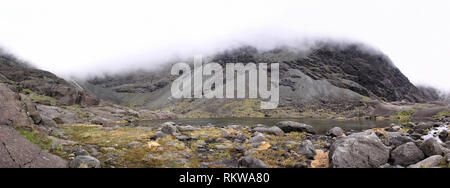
(21, 77)
(326, 74)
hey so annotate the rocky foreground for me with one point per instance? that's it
(285, 145)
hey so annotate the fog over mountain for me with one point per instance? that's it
(82, 38)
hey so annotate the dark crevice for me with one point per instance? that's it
(10, 156)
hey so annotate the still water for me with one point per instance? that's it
(320, 125)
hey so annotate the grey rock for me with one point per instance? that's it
(257, 138)
(134, 144)
(240, 148)
(82, 153)
(359, 150)
(306, 148)
(336, 132)
(443, 135)
(85, 162)
(252, 162)
(186, 128)
(407, 154)
(431, 147)
(183, 138)
(396, 139)
(429, 162)
(241, 136)
(272, 130)
(169, 128)
(157, 135)
(290, 126)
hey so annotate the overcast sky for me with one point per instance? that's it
(82, 37)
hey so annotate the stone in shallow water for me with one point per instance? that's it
(290, 126)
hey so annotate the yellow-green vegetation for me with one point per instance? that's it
(76, 108)
(170, 152)
(35, 137)
(442, 114)
(402, 116)
(40, 98)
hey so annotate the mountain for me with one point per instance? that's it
(328, 76)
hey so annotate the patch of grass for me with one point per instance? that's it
(442, 114)
(35, 137)
(402, 116)
(40, 98)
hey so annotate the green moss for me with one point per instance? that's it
(442, 114)
(40, 98)
(33, 136)
(402, 116)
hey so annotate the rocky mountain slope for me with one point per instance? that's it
(328, 76)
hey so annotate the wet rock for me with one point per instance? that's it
(336, 132)
(290, 126)
(429, 162)
(85, 162)
(359, 150)
(422, 126)
(407, 154)
(416, 136)
(252, 162)
(431, 147)
(272, 130)
(443, 135)
(396, 139)
(157, 135)
(306, 148)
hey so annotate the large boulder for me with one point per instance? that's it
(429, 162)
(31, 108)
(359, 150)
(431, 147)
(58, 115)
(272, 130)
(12, 111)
(291, 126)
(18, 152)
(407, 154)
